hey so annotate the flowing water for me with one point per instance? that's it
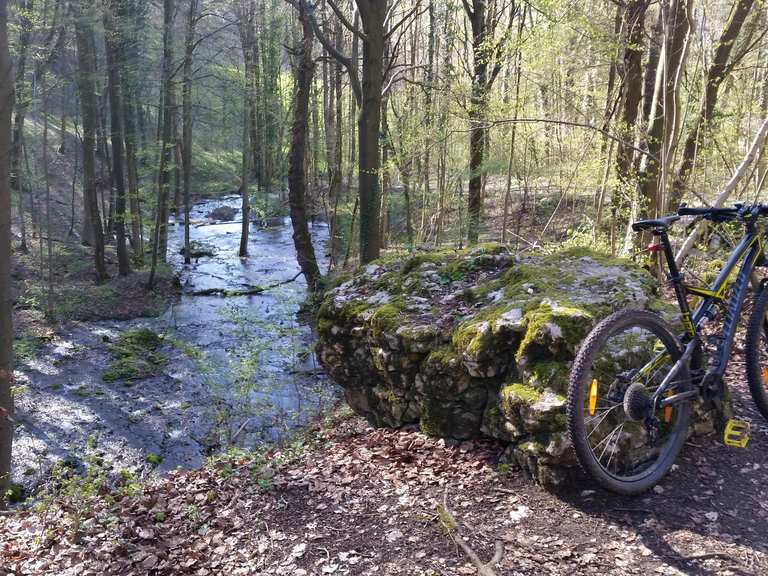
(241, 369)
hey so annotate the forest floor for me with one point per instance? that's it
(350, 499)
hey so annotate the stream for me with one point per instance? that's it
(240, 369)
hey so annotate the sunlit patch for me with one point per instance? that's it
(593, 397)
(765, 375)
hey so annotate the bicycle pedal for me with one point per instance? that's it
(737, 433)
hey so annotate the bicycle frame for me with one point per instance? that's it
(749, 252)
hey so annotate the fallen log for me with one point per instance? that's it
(248, 290)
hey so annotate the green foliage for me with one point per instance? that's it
(154, 459)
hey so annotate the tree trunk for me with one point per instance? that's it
(717, 72)
(116, 135)
(129, 22)
(6, 302)
(631, 73)
(305, 252)
(186, 119)
(477, 116)
(22, 103)
(665, 110)
(86, 60)
(372, 15)
(334, 185)
(160, 240)
(633, 41)
(245, 175)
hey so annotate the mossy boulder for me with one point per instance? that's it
(198, 249)
(474, 342)
(135, 355)
(223, 213)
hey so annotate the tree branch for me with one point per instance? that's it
(603, 131)
(754, 151)
(346, 61)
(347, 24)
(452, 528)
(405, 18)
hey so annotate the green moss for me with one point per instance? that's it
(328, 314)
(14, 493)
(520, 393)
(488, 248)
(29, 346)
(441, 358)
(596, 255)
(154, 459)
(387, 316)
(324, 326)
(549, 374)
(467, 337)
(570, 321)
(135, 356)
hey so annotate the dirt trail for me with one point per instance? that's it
(365, 501)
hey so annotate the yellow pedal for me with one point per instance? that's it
(737, 433)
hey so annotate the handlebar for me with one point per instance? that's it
(686, 211)
(742, 211)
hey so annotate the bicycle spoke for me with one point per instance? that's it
(608, 443)
(602, 419)
(613, 452)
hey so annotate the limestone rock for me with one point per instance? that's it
(474, 342)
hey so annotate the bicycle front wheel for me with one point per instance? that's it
(621, 441)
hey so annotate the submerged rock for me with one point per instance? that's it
(198, 249)
(225, 213)
(474, 342)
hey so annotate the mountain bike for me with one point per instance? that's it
(634, 380)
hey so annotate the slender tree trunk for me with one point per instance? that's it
(245, 175)
(510, 161)
(127, 15)
(159, 244)
(86, 57)
(186, 107)
(665, 108)
(305, 252)
(21, 102)
(6, 302)
(334, 186)
(47, 185)
(116, 135)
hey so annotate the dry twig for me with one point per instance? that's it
(452, 528)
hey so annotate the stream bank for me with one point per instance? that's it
(232, 371)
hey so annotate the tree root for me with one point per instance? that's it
(452, 529)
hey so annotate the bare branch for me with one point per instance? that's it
(452, 528)
(346, 61)
(347, 24)
(405, 18)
